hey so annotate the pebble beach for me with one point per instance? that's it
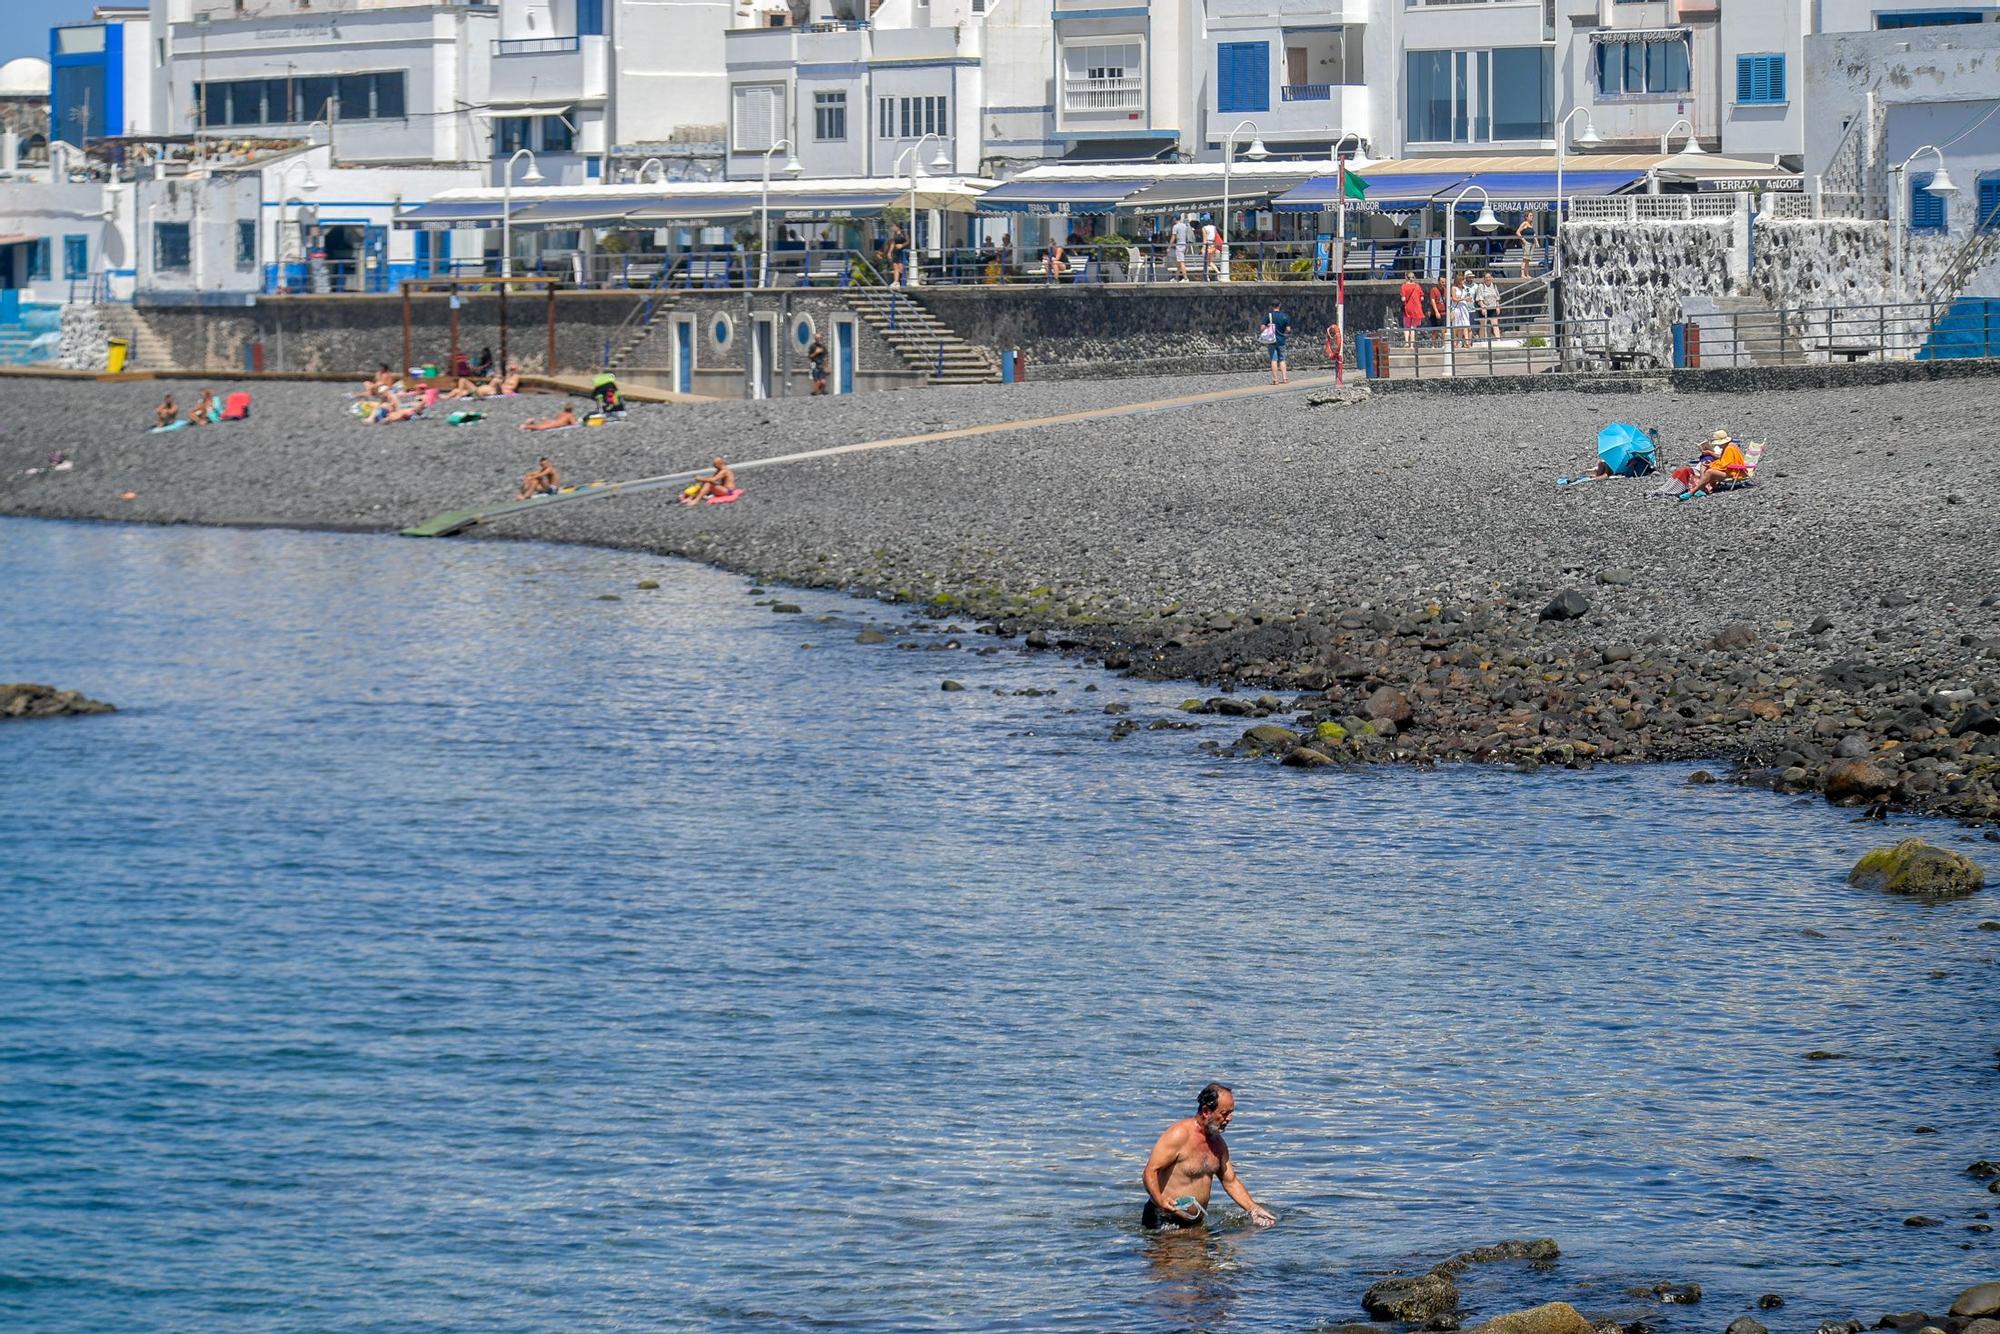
(1396, 579)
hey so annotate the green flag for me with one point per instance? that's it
(1352, 186)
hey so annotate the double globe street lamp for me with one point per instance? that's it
(941, 162)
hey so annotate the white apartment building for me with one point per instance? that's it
(394, 82)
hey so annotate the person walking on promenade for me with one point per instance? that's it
(1530, 243)
(1277, 325)
(1460, 307)
(1211, 250)
(816, 358)
(1183, 237)
(1489, 305)
(1439, 312)
(1186, 1161)
(899, 250)
(1412, 295)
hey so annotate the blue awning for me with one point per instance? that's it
(1058, 197)
(451, 213)
(1387, 192)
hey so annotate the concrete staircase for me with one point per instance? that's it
(631, 340)
(17, 345)
(925, 343)
(147, 350)
(1743, 331)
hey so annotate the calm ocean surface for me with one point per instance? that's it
(429, 943)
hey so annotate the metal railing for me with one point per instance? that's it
(529, 46)
(1305, 92)
(1103, 94)
(1818, 335)
(1514, 344)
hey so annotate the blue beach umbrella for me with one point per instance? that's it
(1626, 450)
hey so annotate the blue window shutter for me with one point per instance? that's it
(1745, 77)
(1243, 76)
(1926, 209)
(1775, 91)
(1989, 202)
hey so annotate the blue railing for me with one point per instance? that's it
(1306, 92)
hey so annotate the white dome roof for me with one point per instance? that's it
(25, 76)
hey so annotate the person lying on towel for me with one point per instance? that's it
(567, 417)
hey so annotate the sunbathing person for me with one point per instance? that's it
(567, 417)
(391, 413)
(203, 411)
(720, 482)
(506, 386)
(1722, 462)
(164, 414)
(463, 388)
(541, 480)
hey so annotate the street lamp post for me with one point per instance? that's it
(1360, 162)
(309, 184)
(1693, 149)
(640, 178)
(914, 272)
(1256, 152)
(792, 168)
(534, 177)
(1485, 222)
(1940, 185)
(1588, 139)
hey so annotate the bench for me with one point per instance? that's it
(1852, 353)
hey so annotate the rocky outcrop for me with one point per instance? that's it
(1416, 1299)
(25, 699)
(1920, 870)
(1980, 1300)
(1552, 1318)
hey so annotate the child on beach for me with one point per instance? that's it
(165, 414)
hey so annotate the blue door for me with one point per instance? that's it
(843, 354)
(684, 356)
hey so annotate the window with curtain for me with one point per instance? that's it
(558, 136)
(76, 257)
(510, 135)
(38, 260)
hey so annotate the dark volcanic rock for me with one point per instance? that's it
(1744, 1324)
(1855, 780)
(1566, 606)
(24, 699)
(1415, 1299)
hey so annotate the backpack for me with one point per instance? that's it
(1269, 333)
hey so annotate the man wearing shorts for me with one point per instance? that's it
(1183, 237)
(1187, 1159)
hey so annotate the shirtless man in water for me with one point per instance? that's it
(1188, 1159)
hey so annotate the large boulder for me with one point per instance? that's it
(1415, 1300)
(1566, 606)
(1389, 704)
(1270, 736)
(1554, 1318)
(1920, 870)
(1983, 1299)
(1855, 780)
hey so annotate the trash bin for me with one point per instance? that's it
(115, 351)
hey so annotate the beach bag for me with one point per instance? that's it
(1268, 334)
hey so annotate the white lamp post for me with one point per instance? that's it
(1485, 222)
(1256, 153)
(1940, 185)
(1693, 148)
(940, 162)
(1358, 162)
(640, 178)
(533, 177)
(308, 184)
(1588, 139)
(792, 168)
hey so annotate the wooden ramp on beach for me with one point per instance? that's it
(457, 521)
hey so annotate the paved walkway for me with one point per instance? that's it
(457, 521)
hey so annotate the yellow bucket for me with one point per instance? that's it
(114, 355)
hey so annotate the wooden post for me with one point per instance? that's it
(550, 287)
(406, 324)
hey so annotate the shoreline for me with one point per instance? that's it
(1358, 584)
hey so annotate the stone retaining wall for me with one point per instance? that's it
(1632, 275)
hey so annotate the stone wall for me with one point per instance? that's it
(1841, 262)
(1632, 275)
(1078, 331)
(83, 339)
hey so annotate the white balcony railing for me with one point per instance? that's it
(535, 46)
(1104, 94)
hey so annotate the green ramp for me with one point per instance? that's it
(457, 521)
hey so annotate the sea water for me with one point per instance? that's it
(431, 940)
